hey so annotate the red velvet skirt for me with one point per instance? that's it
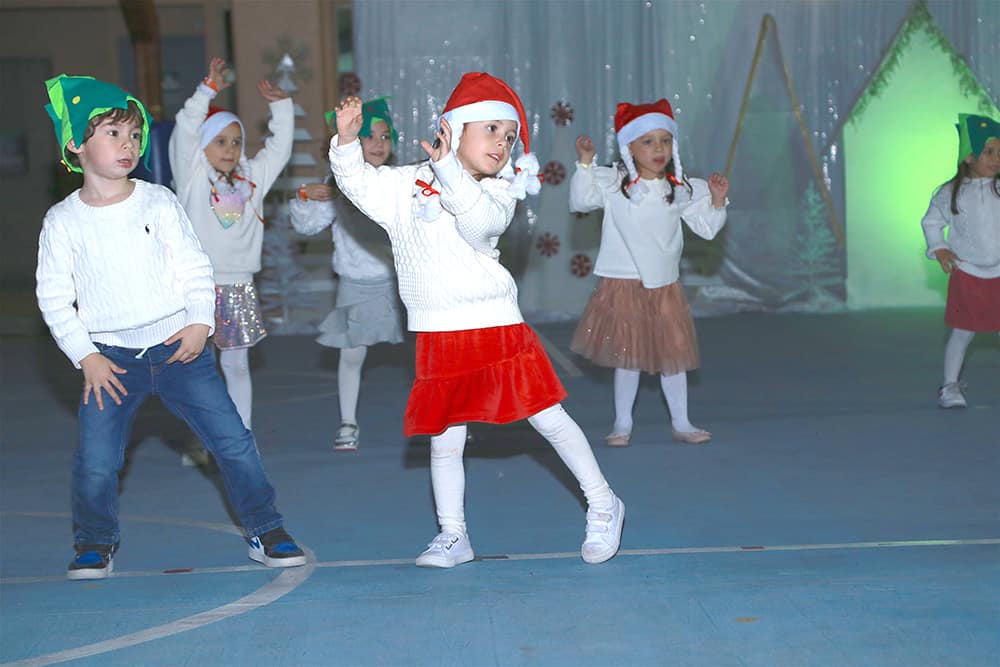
(495, 375)
(973, 303)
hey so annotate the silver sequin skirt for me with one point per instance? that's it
(238, 322)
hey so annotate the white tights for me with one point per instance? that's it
(236, 370)
(553, 424)
(954, 353)
(674, 389)
(349, 381)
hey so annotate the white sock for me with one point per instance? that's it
(954, 353)
(675, 390)
(626, 387)
(236, 370)
(448, 478)
(565, 436)
(349, 381)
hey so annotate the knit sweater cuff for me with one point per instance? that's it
(459, 191)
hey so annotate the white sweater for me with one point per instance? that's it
(130, 274)
(973, 234)
(450, 278)
(234, 251)
(645, 240)
(361, 248)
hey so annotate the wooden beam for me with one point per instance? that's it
(143, 26)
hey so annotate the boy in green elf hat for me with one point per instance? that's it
(128, 294)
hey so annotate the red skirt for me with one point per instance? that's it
(973, 303)
(495, 375)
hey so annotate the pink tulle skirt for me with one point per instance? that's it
(495, 375)
(626, 325)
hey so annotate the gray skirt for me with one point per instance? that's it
(365, 313)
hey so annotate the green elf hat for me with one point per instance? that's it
(974, 132)
(372, 112)
(77, 99)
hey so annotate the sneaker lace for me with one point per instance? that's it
(441, 540)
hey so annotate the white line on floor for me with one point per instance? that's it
(561, 555)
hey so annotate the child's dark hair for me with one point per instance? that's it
(132, 114)
(965, 172)
(672, 180)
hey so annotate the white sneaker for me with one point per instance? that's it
(951, 395)
(604, 533)
(347, 438)
(446, 550)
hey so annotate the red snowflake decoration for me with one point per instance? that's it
(349, 84)
(554, 172)
(580, 266)
(548, 244)
(562, 113)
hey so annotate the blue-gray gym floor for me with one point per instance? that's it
(838, 517)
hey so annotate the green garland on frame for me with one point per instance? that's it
(920, 18)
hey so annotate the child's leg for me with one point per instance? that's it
(675, 390)
(236, 369)
(626, 388)
(565, 436)
(349, 381)
(195, 393)
(954, 353)
(100, 453)
(605, 512)
(448, 478)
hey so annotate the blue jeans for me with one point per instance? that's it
(194, 392)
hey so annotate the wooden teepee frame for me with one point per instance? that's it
(767, 25)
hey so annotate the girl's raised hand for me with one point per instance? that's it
(585, 149)
(442, 143)
(718, 185)
(349, 120)
(270, 92)
(218, 74)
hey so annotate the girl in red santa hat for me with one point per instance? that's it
(222, 190)
(637, 319)
(476, 358)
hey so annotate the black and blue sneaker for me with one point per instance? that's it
(93, 561)
(276, 548)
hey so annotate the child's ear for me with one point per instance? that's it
(71, 145)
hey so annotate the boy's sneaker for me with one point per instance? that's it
(951, 395)
(276, 548)
(604, 533)
(93, 561)
(447, 550)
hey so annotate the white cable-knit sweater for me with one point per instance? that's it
(361, 249)
(130, 274)
(643, 240)
(450, 278)
(235, 251)
(973, 234)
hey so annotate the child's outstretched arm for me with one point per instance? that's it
(376, 192)
(590, 184)
(705, 214)
(312, 211)
(185, 140)
(267, 164)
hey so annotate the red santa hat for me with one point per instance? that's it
(480, 96)
(216, 121)
(634, 120)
